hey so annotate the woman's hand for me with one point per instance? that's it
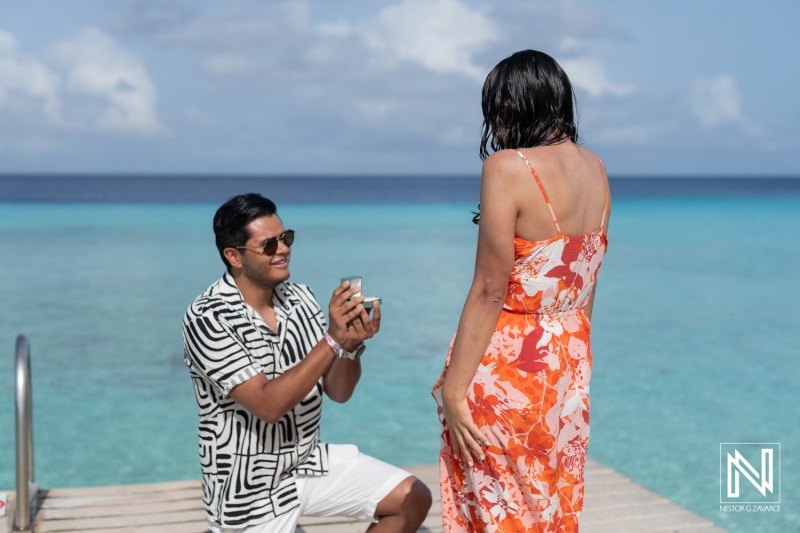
(465, 437)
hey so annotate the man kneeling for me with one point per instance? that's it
(260, 355)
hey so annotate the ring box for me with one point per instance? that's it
(369, 301)
(355, 281)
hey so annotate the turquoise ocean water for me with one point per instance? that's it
(695, 335)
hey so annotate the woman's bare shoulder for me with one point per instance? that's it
(503, 168)
(589, 155)
(585, 151)
(502, 161)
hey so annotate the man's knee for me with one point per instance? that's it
(416, 501)
(411, 498)
(419, 495)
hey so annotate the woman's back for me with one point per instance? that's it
(573, 180)
(557, 274)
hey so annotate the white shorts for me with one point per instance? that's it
(354, 486)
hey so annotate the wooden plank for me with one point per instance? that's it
(117, 499)
(121, 510)
(195, 527)
(686, 528)
(428, 474)
(630, 499)
(148, 488)
(613, 504)
(432, 524)
(115, 522)
(644, 523)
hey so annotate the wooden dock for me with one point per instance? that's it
(613, 504)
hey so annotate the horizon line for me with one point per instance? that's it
(419, 175)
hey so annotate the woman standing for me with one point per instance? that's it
(514, 396)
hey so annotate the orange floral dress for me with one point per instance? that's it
(530, 395)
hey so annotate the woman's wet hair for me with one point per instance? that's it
(527, 101)
(232, 218)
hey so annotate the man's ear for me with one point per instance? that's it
(233, 257)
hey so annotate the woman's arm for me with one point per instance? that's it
(493, 264)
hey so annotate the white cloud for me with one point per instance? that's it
(231, 25)
(716, 101)
(381, 75)
(7, 43)
(395, 71)
(440, 35)
(26, 84)
(114, 78)
(393, 75)
(86, 83)
(443, 36)
(588, 73)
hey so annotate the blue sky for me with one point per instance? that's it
(707, 87)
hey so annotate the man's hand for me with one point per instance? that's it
(350, 323)
(362, 327)
(342, 309)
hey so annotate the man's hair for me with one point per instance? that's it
(232, 218)
(527, 101)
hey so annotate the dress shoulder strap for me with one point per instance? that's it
(605, 185)
(544, 193)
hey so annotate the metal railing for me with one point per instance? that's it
(27, 489)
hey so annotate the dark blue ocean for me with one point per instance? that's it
(348, 189)
(695, 330)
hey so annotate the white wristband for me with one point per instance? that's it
(332, 343)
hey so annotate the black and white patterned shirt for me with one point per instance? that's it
(246, 462)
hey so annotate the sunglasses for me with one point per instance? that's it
(270, 246)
